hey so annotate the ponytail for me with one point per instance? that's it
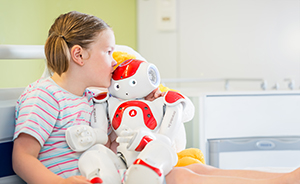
(57, 54)
(70, 29)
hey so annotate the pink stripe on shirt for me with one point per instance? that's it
(36, 97)
(58, 142)
(38, 89)
(62, 163)
(76, 113)
(70, 170)
(31, 130)
(69, 107)
(30, 106)
(58, 156)
(47, 151)
(39, 117)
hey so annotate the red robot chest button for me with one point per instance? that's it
(149, 119)
(132, 113)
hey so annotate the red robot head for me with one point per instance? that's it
(134, 79)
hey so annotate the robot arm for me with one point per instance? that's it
(99, 123)
(136, 140)
(172, 123)
(82, 137)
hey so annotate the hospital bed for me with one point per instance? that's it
(256, 130)
(227, 125)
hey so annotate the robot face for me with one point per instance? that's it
(134, 79)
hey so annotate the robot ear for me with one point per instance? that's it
(153, 75)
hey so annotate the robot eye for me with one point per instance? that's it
(117, 87)
(132, 82)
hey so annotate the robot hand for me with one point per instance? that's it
(81, 137)
(136, 140)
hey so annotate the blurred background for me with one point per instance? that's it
(27, 23)
(247, 42)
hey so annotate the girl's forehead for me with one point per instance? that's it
(106, 34)
(106, 38)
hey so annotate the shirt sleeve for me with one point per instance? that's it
(36, 114)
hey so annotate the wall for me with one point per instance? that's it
(27, 23)
(257, 39)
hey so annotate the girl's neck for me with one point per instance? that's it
(69, 84)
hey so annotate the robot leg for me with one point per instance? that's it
(153, 163)
(100, 162)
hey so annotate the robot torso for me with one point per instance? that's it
(135, 114)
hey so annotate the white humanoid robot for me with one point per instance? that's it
(149, 132)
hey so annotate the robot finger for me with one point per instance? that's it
(128, 133)
(123, 139)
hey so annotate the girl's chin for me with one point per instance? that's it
(105, 86)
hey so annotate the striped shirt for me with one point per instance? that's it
(45, 111)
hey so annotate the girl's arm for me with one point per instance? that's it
(111, 143)
(29, 168)
(156, 93)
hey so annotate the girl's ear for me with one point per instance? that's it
(76, 54)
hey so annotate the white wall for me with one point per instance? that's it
(225, 39)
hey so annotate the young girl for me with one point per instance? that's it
(79, 54)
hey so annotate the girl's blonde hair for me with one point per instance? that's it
(73, 28)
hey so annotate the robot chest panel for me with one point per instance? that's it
(133, 115)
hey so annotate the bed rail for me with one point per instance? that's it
(22, 52)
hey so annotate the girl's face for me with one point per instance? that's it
(100, 62)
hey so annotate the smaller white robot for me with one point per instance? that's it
(149, 132)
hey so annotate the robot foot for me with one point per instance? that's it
(96, 180)
(98, 177)
(137, 174)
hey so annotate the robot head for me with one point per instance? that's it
(134, 79)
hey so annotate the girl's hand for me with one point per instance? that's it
(154, 95)
(75, 180)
